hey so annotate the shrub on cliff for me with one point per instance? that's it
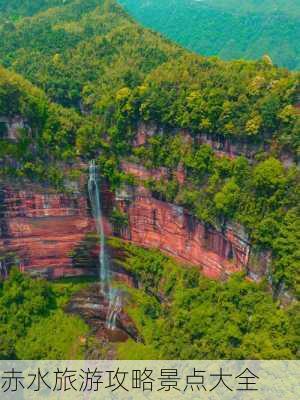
(56, 337)
(32, 323)
(185, 316)
(23, 302)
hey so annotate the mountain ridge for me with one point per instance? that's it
(216, 28)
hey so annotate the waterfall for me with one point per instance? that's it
(114, 310)
(94, 194)
(104, 268)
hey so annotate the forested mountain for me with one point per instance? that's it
(289, 7)
(92, 57)
(95, 75)
(229, 29)
(83, 54)
(67, 48)
(15, 9)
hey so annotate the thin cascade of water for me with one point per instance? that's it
(104, 268)
(94, 194)
(114, 310)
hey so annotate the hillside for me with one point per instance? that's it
(228, 29)
(82, 55)
(14, 9)
(289, 7)
(194, 153)
(66, 49)
(93, 57)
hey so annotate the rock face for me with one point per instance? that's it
(226, 147)
(222, 146)
(10, 127)
(144, 131)
(49, 234)
(90, 304)
(142, 173)
(157, 224)
(42, 229)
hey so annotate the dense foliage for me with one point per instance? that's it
(48, 132)
(90, 56)
(99, 75)
(15, 8)
(66, 49)
(185, 316)
(32, 322)
(54, 338)
(244, 101)
(263, 198)
(230, 29)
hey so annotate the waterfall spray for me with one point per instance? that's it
(104, 268)
(104, 273)
(114, 309)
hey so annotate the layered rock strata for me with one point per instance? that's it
(157, 224)
(42, 229)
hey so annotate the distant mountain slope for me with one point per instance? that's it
(230, 29)
(17, 8)
(92, 56)
(66, 48)
(289, 7)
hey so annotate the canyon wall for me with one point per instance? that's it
(49, 234)
(42, 229)
(45, 233)
(222, 146)
(157, 224)
(170, 228)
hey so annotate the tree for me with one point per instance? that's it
(286, 263)
(57, 337)
(268, 177)
(23, 302)
(227, 200)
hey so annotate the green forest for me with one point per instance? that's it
(229, 29)
(232, 320)
(83, 75)
(33, 324)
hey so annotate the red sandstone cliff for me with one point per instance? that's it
(142, 173)
(42, 228)
(156, 224)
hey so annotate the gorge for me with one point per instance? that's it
(181, 239)
(42, 229)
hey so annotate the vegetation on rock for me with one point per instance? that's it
(185, 316)
(94, 76)
(32, 322)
